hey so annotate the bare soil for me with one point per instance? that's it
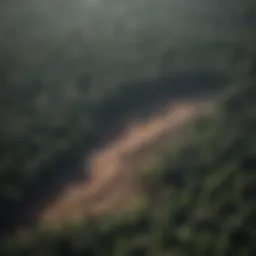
(114, 184)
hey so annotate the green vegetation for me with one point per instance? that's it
(65, 89)
(210, 208)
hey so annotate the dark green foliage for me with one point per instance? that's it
(64, 90)
(213, 215)
(62, 94)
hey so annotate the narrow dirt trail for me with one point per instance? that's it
(114, 184)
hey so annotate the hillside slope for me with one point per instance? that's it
(114, 184)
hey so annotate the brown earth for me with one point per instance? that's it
(114, 183)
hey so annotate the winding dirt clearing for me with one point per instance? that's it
(114, 184)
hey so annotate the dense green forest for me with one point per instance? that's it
(208, 207)
(71, 72)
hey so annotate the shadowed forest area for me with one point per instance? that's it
(75, 74)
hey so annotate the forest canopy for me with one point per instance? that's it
(71, 72)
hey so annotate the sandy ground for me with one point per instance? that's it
(114, 183)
